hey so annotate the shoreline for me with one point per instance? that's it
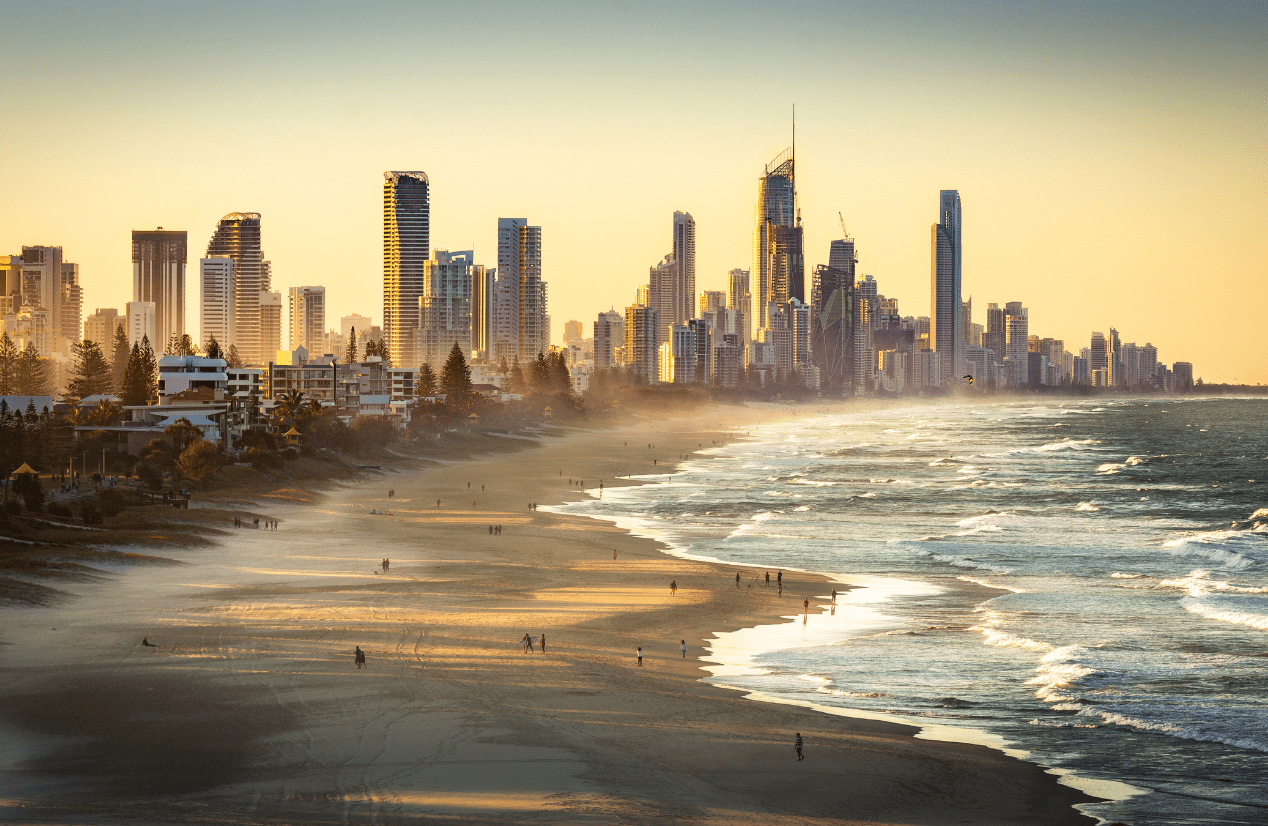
(440, 622)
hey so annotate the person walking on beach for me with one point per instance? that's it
(542, 642)
(673, 588)
(526, 644)
(805, 603)
(768, 577)
(359, 658)
(737, 579)
(684, 649)
(797, 744)
(640, 656)
(834, 596)
(779, 577)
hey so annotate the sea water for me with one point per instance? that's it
(1082, 580)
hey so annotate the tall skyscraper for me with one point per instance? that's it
(100, 327)
(406, 251)
(444, 310)
(360, 323)
(141, 318)
(739, 297)
(609, 336)
(1098, 362)
(238, 237)
(217, 315)
(666, 284)
(1114, 359)
(270, 328)
(10, 283)
(944, 304)
(642, 342)
(308, 319)
(832, 317)
(778, 259)
(158, 276)
(995, 336)
(711, 301)
(1016, 343)
(684, 253)
(72, 303)
(573, 333)
(482, 285)
(42, 282)
(521, 326)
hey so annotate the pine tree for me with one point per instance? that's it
(541, 374)
(31, 377)
(8, 365)
(119, 359)
(233, 358)
(562, 376)
(350, 352)
(185, 346)
(173, 344)
(213, 350)
(455, 380)
(135, 388)
(91, 371)
(515, 378)
(151, 370)
(425, 384)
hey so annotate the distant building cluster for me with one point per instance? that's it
(839, 336)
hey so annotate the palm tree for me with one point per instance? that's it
(291, 404)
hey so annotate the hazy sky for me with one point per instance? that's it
(1111, 160)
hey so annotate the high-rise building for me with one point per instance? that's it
(483, 282)
(270, 304)
(158, 276)
(10, 283)
(642, 342)
(711, 301)
(739, 297)
(684, 253)
(609, 336)
(665, 285)
(141, 318)
(72, 302)
(573, 333)
(406, 251)
(238, 237)
(308, 319)
(945, 306)
(993, 338)
(444, 310)
(218, 312)
(1114, 359)
(832, 316)
(1016, 343)
(966, 322)
(101, 326)
(521, 328)
(42, 282)
(778, 259)
(1183, 371)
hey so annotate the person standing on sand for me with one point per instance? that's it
(834, 596)
(673, 588)
(640, 656)
(542, 642)
(779, 577)
(797, 744)
(527, 643)
(684, 649)
(768, 577)
(359, 657)
(737, 579)
(805, 603)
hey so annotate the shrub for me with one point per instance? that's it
(200, 460)
(150, 473)
(263, 458)
(58, 509)
(13, 507)
(90, 513)
(290, 454)
(112, 501)
(27, 485)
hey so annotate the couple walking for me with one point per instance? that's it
(526, 644)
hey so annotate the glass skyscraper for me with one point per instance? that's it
(944, 310)
(778, 261)
(406, 250)
(238, 237)
(158, 276)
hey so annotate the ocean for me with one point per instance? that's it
(1081, 581)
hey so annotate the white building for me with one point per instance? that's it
(1016, 344)
(444, 309)
(609, 336)
(179, 374)
(308, 318)
(141, 324)
(218, 314)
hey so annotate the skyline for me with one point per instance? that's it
(1095, 210)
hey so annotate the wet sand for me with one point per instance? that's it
(251, 710)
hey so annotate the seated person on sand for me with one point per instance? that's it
(145, 643)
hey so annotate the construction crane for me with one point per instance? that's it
(844, 232)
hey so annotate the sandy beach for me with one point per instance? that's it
(251, 710)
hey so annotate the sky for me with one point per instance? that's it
(1110, 156)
